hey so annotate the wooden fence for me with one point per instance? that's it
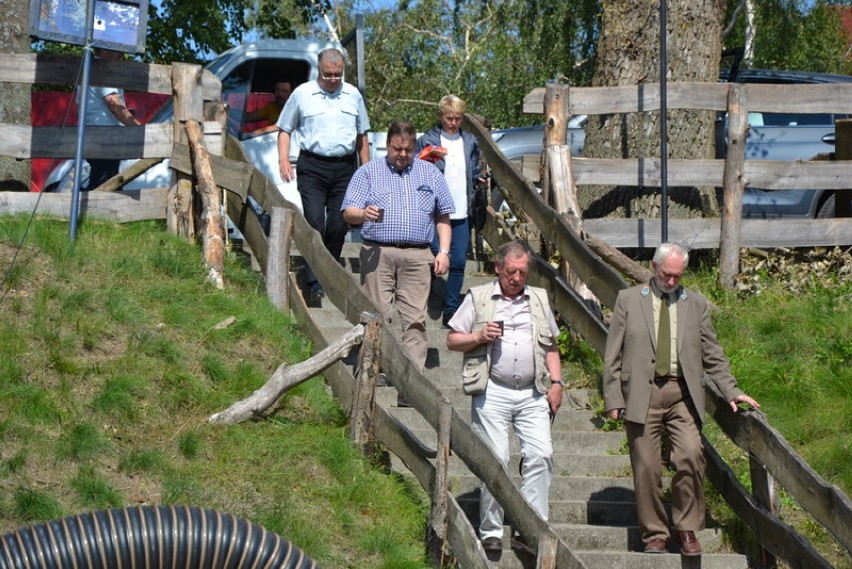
(737, 100)
(771, 456)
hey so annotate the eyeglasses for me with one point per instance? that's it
(331, 76)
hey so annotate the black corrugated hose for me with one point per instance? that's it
(149, 537)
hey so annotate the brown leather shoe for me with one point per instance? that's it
(689, 546)
(492, 544)
(656, 546)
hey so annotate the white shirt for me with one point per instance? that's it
(455, 172)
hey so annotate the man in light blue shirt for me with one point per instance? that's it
(402, 203)
(331, 122)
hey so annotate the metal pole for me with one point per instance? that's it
(81, 119)
(664, 186)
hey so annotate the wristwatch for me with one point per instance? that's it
(557, 382)
(444, 251)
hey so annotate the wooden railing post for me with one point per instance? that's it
(437, 532)
(366, 376)
(188, 105)
(763, 490)
(559, 181)
(547, 548)
(213, 227)
(734, 183)
(278, 261)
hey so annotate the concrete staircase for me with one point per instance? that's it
(591, 500)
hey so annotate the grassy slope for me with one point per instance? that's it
(109, 367)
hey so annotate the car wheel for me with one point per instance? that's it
(826, 210)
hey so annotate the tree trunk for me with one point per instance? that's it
(629, 54)
(14, 97)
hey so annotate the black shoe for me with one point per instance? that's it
(316, 292)
(492, 544)
(518, 544)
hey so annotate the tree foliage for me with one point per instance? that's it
(489, 52)
(193, 30)
(812, 32)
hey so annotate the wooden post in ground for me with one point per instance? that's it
(213, 228)
(561, 179)
(763, 490)
(843, 151)
(437, 532)
(366, 376)
(734, 182)
(278, 261)
(188, 105)
(547, 548)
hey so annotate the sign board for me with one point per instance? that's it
(119, 25)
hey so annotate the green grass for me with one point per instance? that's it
(110, 365)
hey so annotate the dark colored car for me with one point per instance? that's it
(772, 136)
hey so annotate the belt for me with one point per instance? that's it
(397, 245)
(321, 158)
(667, 378)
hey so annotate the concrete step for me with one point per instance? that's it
(563, 488)
(602, 513)
(585, 537)
(609, 560)
(589, 443)
(566, 419)
(621, 547)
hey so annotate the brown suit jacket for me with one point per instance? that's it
(629, 359)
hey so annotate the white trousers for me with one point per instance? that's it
(528, 412)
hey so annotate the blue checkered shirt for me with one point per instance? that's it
(411, 199)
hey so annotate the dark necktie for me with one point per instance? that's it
(664, 340)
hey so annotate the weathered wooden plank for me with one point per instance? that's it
(65, 70)
(233, 175)
(704, 233)
(463, 539)
(764, 174)
(823, 98)
(121, 207)
(24, 142)
(774, 534)
(751, 432)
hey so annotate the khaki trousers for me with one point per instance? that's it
(402, 277)
(671, 411)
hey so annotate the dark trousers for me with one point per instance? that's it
(322, 185)
(459, 244)
(100, 171)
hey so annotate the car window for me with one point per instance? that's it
(796, 119)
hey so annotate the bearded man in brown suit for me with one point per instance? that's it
(654, 370)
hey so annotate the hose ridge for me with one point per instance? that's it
(149, 537)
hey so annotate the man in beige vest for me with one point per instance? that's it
(513, 373)
(661, 343)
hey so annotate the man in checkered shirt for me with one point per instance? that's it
(400, 203)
